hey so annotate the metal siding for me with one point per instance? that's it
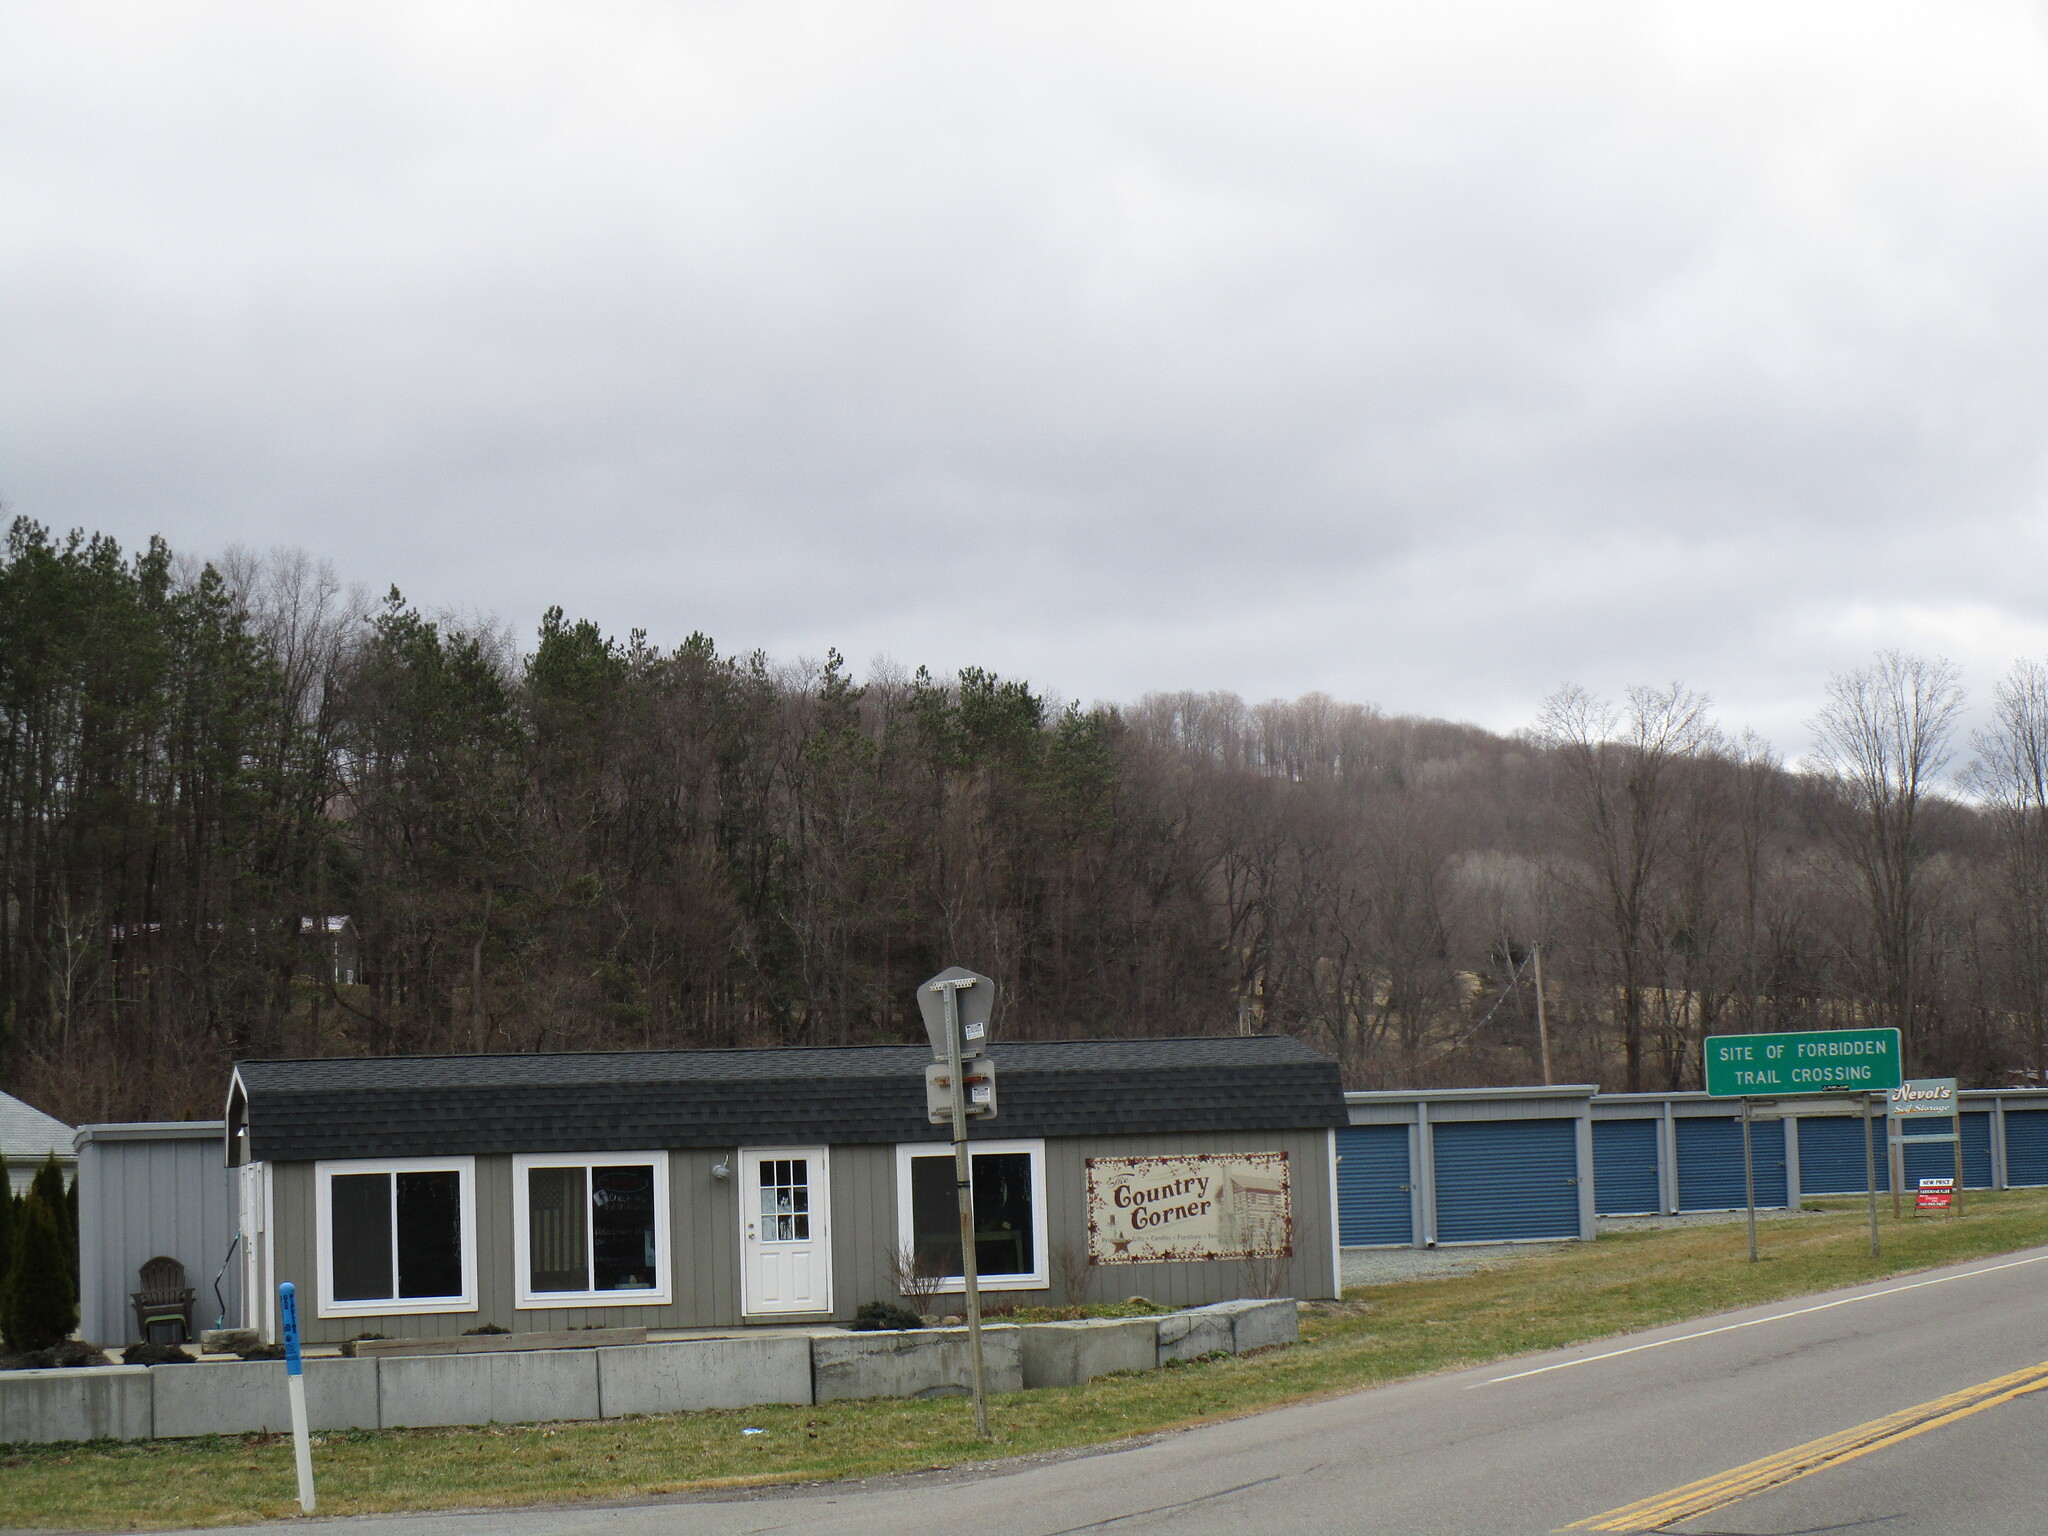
(1710, 1163)
(1831, 1155)
(1503, 1179)
(139, 1198)
(2026, 1147)
(704, 1225)
(1625, 1167)
(1375, 1201)
(1939, 1161)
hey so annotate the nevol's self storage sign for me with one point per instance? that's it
(1811, 1061)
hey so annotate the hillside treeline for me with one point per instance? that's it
(584, 842)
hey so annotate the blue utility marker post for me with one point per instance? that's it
(295, 1386)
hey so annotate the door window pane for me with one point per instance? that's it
(622, 1227)
(557, 1241)
(360, 1240)
(785, 1200)
(429, 1234)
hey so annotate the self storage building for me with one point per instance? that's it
(424, 1196)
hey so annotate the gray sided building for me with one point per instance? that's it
(428, 1196)
(147, 1190)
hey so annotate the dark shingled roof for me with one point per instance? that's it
(400, 1106)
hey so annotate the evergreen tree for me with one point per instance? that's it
(62, 1204)
(8, 1220)
(40, 1306)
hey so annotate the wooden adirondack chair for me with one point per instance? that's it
(164, 1299)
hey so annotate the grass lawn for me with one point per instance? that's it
(1554, 1297)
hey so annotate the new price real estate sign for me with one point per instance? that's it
(1809, 1061)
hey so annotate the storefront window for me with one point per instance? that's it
(595, 1230)
(1009, 1218)
(395, 1237)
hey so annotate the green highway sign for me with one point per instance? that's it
(1809, 1061)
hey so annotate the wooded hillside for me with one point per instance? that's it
(582, 842)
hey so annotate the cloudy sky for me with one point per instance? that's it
(1429, 355)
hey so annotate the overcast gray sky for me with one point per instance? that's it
(1426, 354)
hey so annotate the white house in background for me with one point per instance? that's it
(27, 1137)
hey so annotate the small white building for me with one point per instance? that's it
(28, 1137)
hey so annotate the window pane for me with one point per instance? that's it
(360, 1241)
(622, 1227)
(1002, 1214)
(934, 1215)
(557, 1241)
(785, 1200)
(429, 1234)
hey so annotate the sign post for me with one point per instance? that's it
(956, 1005)
(295, 1390)
(1923, 1098)
(1813, 1061)
(1749, 1180)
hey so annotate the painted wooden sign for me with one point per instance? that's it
(1225, 1205)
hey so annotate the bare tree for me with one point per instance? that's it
(1883, 739)
(1624, 770)
(2011, 775)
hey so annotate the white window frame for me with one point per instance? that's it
(393, 1306)
(530, 1300)
(1039, 1278)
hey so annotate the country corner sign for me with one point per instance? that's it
(1202, 1206)
(1811, 1061)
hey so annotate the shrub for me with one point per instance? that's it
(470, 1333)
(70, 1353)
(155, 1354)
(876, 1315)
(41, 1305)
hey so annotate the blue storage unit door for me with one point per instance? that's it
(2026, 1147)
(1938, 1159)
(1374, 1199)
(1831, 1155)
(1710, 1163)
(1503, 1179)
(1625, 1168)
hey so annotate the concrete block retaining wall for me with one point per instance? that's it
(233, 1397)
(108, 1402)
(1232, 1327)
(922, 1362)
(1067, 1354)
(703, 1373)
(132, 1402)
(417, 1390)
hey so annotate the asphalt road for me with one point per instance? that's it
(1528, 1446)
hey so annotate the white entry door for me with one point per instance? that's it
(785, 1232)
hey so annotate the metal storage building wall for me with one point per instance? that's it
(147, 1189)
(1626, 1180)
(1502, 1180)
(1375, 1188)
(2026, 1147)
(1710, 1176)
(1483, 1165)
(1831, 1154)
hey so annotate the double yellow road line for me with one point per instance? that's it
(1711, 1493)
